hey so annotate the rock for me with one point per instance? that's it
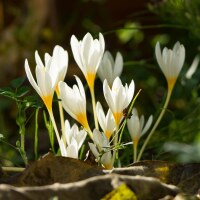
(186, 177)
(98, 187)
(76, 179)
(51, 169)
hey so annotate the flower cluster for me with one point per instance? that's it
(92, 60)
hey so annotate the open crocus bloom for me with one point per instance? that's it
(74, 102)
(136, 125)
(88, 54)
(48, 73)
(107, 122)
(100, 149)
(75, 139)
(170, 61)
(109, 68)
(118, 97)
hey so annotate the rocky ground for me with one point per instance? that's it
(57, 178)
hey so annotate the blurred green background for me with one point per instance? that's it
(131, 27)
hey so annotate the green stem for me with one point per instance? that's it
(94, 107)
(128, 114)
(156, 124)
(22, 139)
(21, 118)
(50, 130)
(12, 169)
(115, 143)
(117, 137)
(36, 134)
(55, 126)
(62, 121)
(135, 151)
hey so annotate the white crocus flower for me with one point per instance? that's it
(136, 125)
(74, 102)
(118, 97)
(100, 149)
(75, 139)
(71, 150)
(74, 132)
(48, 74)
(88, 54)
(109, 68)
(107, 122)
(171, 62)
(137, 129)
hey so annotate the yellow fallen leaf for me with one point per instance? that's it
(123, 192)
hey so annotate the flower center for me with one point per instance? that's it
(108, 134)
(117, 116)
(90, 77)
(48, 101)
(82, 119)
(171, 82)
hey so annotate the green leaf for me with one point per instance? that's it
(7, 92)
(33, 101)
(6, 89)
(16, 83)
(22, 91)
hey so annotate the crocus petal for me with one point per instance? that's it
(134, 126)
(38, 60)
(93, 149)
(31, 79)
(101, 116)
(148, 124)
(118, 67)
(63, 149)
(66, 95)
(72, 149)
(106, 160)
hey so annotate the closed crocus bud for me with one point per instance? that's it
(88, 54)
(171, 62)
(137, 127)
(109, 68)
